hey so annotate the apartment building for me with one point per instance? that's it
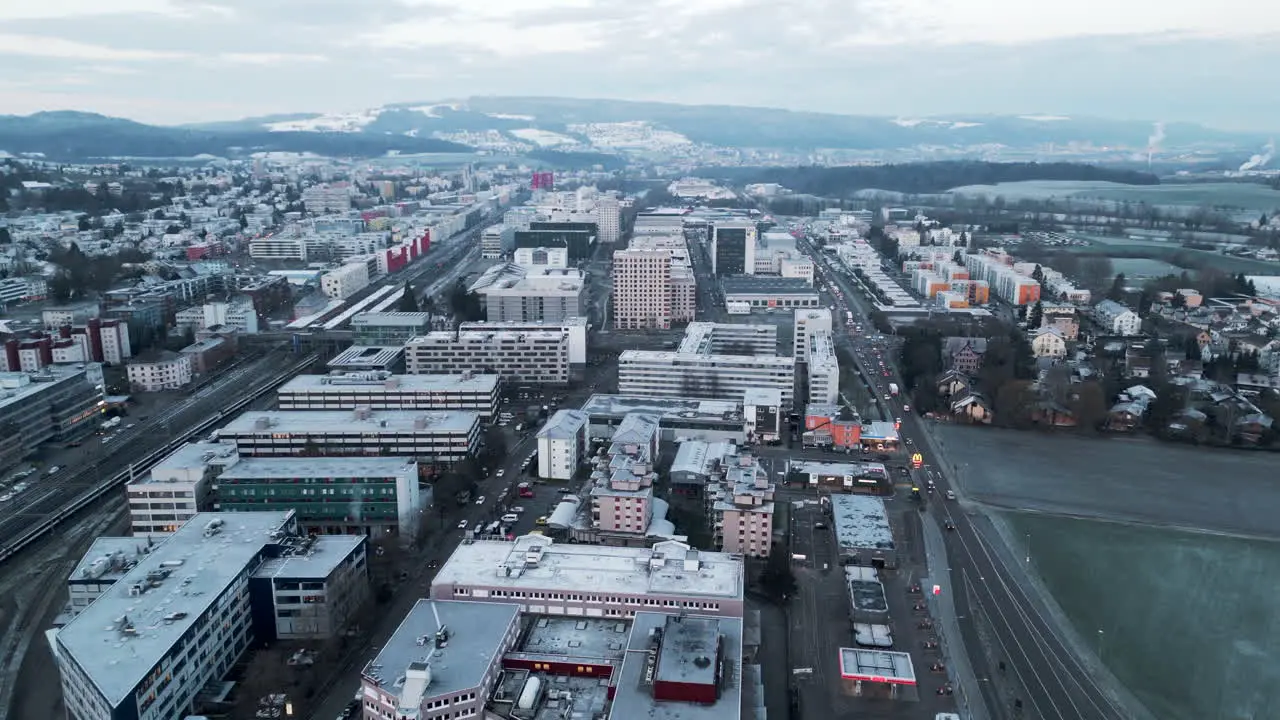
(533, 357)
(740, 505)
(497, 241)
(622, 497)
(1117, 319)
(442, 437)
(807, 322)
(713, 362)
(159, 370)
(642, 289)
(327, 198)
(375, 496)
(545, 577)
(562, 444)
(238, 315)
(388, 328)
(381, 390)
(548, 295)
(345, 281)
(61, 405)
(609, 219)
(177, 488)
(822, 371)
(190, 598)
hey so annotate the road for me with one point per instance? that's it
(1056, 683)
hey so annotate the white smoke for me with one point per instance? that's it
(1157, 136)
(1261, 159)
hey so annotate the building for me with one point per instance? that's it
(431, 437)
(177, 488)
(326, 198)
(706, 338)
(50, 406)
(695, 464)
(545, 577)
(379, 390)
(733, 247)
(576, 327)
(375, 496)
(106, 561)
(240, 316)
(159, 370)
(769, 293)
(1116, 319)
(862, 530)
(549, 296)
(1048, 343)
(679, 418)
(532, 357)
(313, 590)
(386, 329)
(609, 219)
(345, 281)
(623, 507)
(541, 258)
(711, 377)
(578, 243)
(739, 497)
(369, 358)
(763, 412)
(696, 665)
(806, 322)
(642, 289)
(192, 596)
(211, 349)
(562, 444)
(822, 371)
(442, 661)
(496, 241)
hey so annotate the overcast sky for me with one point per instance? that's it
(172, 61)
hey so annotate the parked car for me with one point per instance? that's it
(480, 500)
(951, 495)
(462, 524)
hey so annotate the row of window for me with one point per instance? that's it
(598, 599)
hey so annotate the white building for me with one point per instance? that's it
(609, 219)
(1117, 319)
(541, 258)
(442, 437)
(346, 280)
(562, 444)
(159, 371)
(823, 369)
(177, 488)
(1048, 343)
(327, 198)
(381, 390)
(642, 289)
(520, 294)
(537, 357)
(711, 377)
(808, 322)
(239, 315)
(576, 327)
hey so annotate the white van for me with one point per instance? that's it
(510, 518)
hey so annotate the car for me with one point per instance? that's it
(886, 396)
(951, 495)
(462, 524)
(54, 470)
(480, 500)
(950, 525)
(542, 520)
(501, 472)
(517, 510)
(510, 518)
(906, 408)
(564, 491)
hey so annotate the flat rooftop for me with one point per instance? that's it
(595, 569)
(475, 637)
(633, 699)
(373, 381)
(765, 284)
(665, 408)
(191, 456)
(110, 558)
(701, 360)
(689, 649)
(319, 467)
(861, 522)
(346, 421)
(856, 469)
(572, 637)
(877, 666)
(482, 325)
(117, 658)
(358, 356)
(17, 387)
(323, 555)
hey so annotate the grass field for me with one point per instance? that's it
(1242, 196)
(1176, 255)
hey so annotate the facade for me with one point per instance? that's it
(763, 412)
(806, 322)
(441, 662)
(642, 289)
(516, 293)
(534, 357)
(312, 592)
(50, 406)
(345, 281)
(210, 350)
(822, 371)
(541, 258)
(1048, 343)
(158, 371)
(388, 328)
(374, 496)
(562, 444)
(431, 437)
(545, 577)
(739, 498)
(706, 338)
(622, 498)
(679, 418)
(497, 241)
(770, 293)
(1116, 319)
(177, 488)
(379, 390)
(326, 198)
(240, 316)
(733, 247)
(576, 327)
(609, 219)
(711, 377)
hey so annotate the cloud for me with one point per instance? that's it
(261, 58)
(486, 36)
(17, 10)
(53, 47)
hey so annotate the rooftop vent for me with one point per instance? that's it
(702, 661)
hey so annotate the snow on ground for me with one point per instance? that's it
(1044, 118)
(433, 111)
(505, 116)
(337, 122)
(485, 140)
(907, 122)
(543, 138)
(961, 124)
(634, 135)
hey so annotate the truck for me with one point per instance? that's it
(893, 389)
(848, 317)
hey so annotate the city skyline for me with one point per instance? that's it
(169, 62)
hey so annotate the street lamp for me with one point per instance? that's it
(1101, 636)
(1029, 552)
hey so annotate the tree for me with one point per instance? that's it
(1035, 317)
(1038, 274)
(408, 301)
(957, 257)
(1117, 290)
(963, 242)
(5, 237)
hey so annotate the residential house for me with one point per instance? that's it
(972, 407)
(953, 384)
(1048, 343)
(964, 354)
(1116, 319)
(1052, 413)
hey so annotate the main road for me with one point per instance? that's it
(991, 588)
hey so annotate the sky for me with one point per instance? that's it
(179, 61)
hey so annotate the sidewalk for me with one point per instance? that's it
(942, 607)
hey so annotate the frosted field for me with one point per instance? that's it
(1253, 198)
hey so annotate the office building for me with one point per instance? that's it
(541, 258)
(807, 322)
(239, 315)
(733, 247)
(106, 561)
(575, 327)
(313, 590)
(441, 662)
(177, 488)
(562, 444)
(711, 377)
(706, 338)
(688, 658)
(496, 241)
(578, 243)
(519, 294)
(739, 500)
(183, 615)
(443, 437)
(379, 390)
(678, 418)
(374, 496)
(822, 371)
(520, 357)
(546, 577)
(385, 329)
(369, 358)
(159, 370)
(609, 219)
(326, 198)
(769, 293)
(343, 282)
(642, 289)
(59, 405)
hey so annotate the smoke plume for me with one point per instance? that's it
(1258, 161)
